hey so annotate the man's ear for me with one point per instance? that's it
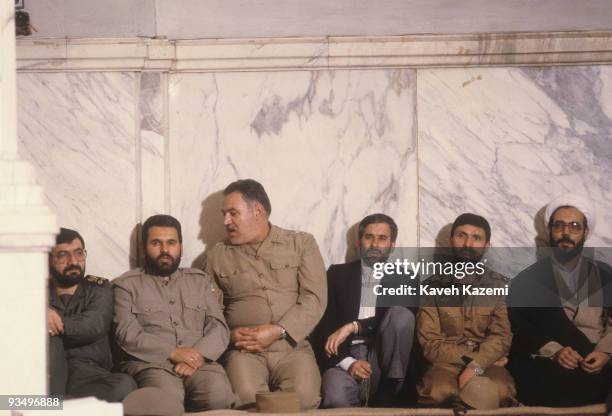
(488, 244)
(586, 232)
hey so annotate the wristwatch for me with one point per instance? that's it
(469, 363)
(283, 334)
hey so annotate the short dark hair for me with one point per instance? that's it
(468, 218)
(67, 235)
(251, 190)
(550, 223)
(160, 220)
(377, 219)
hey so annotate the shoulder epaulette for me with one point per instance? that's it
(96, 280)
(193, 270)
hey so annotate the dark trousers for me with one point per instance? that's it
(388, 358)
(543, 382)
(81, 378)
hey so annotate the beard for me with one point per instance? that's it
(72, 275)
(156, 267)
(467, 254)
(564, 255)
(372, 256)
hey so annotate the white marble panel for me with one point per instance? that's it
(502, 142)
(78, 131)
(329, 146)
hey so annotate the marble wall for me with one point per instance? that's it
(330, 146)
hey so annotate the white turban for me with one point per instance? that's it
(576, 201)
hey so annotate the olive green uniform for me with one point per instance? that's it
(281, 281)
(154, 315)
(479, 330)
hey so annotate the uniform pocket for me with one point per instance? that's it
(285, 271)
(194, 312)
(149, 313)
(451, 322)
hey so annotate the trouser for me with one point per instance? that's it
(81, 378)
(388, 358)
(440, 385)
(543, 382)
(295, 370)
(206, 389)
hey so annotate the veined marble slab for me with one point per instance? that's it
(503, 142)
(77, 129)
(329, 146)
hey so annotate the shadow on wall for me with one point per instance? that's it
(212, 229)
(136, 254)
(352, 243)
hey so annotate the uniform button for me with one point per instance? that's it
(286, 265)
(264, 288)
(180, 342)
(171, 301)
(174, 323)
(260, 275)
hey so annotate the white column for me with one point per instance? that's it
(27, 229)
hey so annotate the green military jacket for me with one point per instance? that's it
(154, 315)
(281, 280)
(479, 329)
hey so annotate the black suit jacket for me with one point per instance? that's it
(536, 314)
(343, 298)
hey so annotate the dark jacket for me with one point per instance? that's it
(344, 296)
(87, 320)
(536, 315)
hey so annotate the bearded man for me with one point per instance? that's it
(169, 324)
(363, 349)
(561, 317)
(78, 320)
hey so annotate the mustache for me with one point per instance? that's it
(73, 267)
(230, 228)
(164, 255)
(565, 240)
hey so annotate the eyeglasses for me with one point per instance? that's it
(573, 227)
(63, 256)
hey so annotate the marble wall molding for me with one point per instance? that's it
(319, 53)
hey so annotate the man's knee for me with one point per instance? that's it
(400, 319)
(120, 386)
(152, 401)
(211, 392)
(338, 392)
(438, 387)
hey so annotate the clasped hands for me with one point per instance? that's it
(256, 338)
(187, 361)
(593, 363)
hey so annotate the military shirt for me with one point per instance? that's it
(154, 315)
(87, 319)
(281, 280)
(479, 329)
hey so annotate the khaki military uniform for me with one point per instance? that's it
(154, 315)
(479, 330)
(282, 281)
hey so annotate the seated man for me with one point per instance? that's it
(169, 323)
(274, 291)
(79, 319)
(560, 311)
(466, 339)
(356, 341)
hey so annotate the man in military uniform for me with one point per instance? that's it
(79, 319)
(274, 291)
(169, 323)
(466, 339)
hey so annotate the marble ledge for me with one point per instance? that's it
(262, 54)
